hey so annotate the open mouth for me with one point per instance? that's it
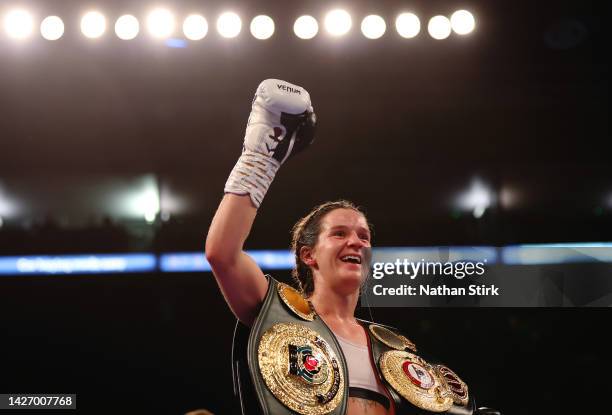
(351, 259)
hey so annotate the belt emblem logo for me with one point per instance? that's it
(307, 365)
(418, 375)
(457, 387)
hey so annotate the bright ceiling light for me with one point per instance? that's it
(408, 25)
(150, 216)
(229, 25)
(306, 27)
(93, 25)
(143, 200)
(338, 22)
(262, 27)
(477, 199)
(52, 28)
(462, 22)
(195, 27)
(127, 27)
(160, 23)
(18, 24)
(373, 26)
(149, 204)
(439, 27)
(8, 206)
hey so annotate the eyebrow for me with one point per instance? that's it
(361, 228)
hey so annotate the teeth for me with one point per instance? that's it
(351, 258)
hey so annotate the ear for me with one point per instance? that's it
(306, 255)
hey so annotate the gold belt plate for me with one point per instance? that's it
(457, 387)
(300, 369)
(296, 302)
(416, 380)
(390, 338)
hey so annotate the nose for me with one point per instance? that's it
(355, 241)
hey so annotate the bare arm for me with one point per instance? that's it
(281, 124)
(242, 282)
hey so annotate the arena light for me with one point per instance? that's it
(477, 199)
(160, 23)
(306, 27)
(557, 253)
(8, 206)
(462, 22)
(262, 27)
(18, 24)
(229, 25)
(147, 203)
(509, 197)
(195, 27)
(127, 27)
(439, 27)
(373, 26)
(93, 24)
(150, 216)
(52, 28)
(77, 264)
(338, 22)
(407, 25)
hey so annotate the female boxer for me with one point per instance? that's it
(329, 242)
(302, 346)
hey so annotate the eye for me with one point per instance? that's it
(339, 232)
(365, 237)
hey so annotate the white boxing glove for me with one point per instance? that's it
(281, 124)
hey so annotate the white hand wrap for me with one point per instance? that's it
(252, 174)
(277, 111)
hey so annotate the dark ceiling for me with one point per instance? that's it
(404, 124)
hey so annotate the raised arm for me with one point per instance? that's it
(242, 282)
(281, 124)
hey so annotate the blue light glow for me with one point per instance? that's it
(176, 43)
(556, 254)
(77, 264)
(531, 254)
(196, 261)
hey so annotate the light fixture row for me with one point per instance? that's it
(161, 23)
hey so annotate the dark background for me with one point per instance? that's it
(405, 125)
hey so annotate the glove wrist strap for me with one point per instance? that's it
(252, 175)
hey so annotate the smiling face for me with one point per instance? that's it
(339, 256)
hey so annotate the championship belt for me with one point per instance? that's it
(300, 369)
(293, 364)
(294, 360)
(417, 381)
(416, 385)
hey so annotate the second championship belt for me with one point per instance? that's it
(416, 385)
(295, 362)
